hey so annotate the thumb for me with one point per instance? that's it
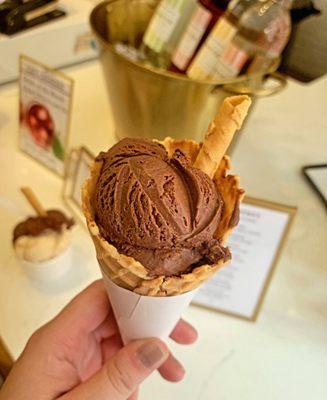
(123, 373)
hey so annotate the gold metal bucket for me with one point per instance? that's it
(149, 102)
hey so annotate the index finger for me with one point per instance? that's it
(184, 333)
(86, 311)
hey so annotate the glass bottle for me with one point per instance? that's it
(164, 30)
(250, 36)
(204, 17)
(269, 41)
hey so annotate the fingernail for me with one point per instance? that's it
(150, 354)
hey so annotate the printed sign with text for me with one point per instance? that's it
(239, 288)
(45, 108)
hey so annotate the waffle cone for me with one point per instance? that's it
(130, 274)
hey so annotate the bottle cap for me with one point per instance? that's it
(222, 4)
(284, 3)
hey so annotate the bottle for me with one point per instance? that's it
(204, 63)
(204, 17)
(164, 30)
(266, 43)
(254, 40)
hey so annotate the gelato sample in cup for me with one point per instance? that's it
(42, 244)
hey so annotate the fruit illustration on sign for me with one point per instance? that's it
(40, 125)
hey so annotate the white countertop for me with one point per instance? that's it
(281, 356)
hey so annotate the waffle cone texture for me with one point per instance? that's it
(130, 274)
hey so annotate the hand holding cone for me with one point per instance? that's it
(139, 298)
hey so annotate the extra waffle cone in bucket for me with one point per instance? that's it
(130, 275)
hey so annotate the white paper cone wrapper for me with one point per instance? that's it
(140, 317)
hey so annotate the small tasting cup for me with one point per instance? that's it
(49, 270)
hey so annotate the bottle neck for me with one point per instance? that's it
(221, 3)
(215, 4)
(284, 3)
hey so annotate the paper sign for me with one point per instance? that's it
(77, 171)
(239, 287)
(45, 108)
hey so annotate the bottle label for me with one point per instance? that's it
(231, 62)
(204, 64)
(192, 37)
(277, 35)
(163, 23)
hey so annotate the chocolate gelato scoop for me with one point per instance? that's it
(55, 220)
(159, 210)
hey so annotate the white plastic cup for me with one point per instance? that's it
(50, 270)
